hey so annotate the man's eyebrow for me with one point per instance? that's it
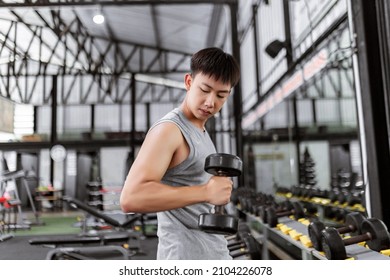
(220, 91)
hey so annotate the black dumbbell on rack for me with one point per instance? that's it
(272, 215)
(281, 207)
(356, 197)
(373, 232)
(240, 242)
(352, 224)
(242, 229)
(249, 249)
(262, 199)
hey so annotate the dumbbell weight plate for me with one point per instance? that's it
(354, 219)
(232, 165)
(285, 206)
(237, 238)
(237, 244)
(252, 248)
(380, 236)
(263, 212)
(314, 230)
(272, 215)
(333, 245)
(241, 229)
(218, 223)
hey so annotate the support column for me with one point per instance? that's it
(372, 108)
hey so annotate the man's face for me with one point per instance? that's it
(205, 95)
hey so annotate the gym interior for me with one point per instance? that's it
(81, 82)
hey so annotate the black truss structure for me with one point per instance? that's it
(58, 56)
(58, 3)
(90, 61)
(90, 69)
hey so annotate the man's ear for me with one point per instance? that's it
(188, 81)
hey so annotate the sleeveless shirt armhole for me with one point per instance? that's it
(188, 141)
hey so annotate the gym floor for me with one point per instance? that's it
(60, 225)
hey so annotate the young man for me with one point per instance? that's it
(168, 174)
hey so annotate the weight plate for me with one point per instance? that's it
(271, 217)
(379, 234)
(253, 247)
(263, 212)
(314, 230)
(218, 223)
(354, 220)
(333, 245)
(221, 164)
(299, 211)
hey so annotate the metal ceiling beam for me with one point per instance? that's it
(80, 145)
(83, 39)
(79, 61)
(213, 26)
(86, 58)
(58, 3)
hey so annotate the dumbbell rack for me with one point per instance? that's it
(321, 203)
(294, 234)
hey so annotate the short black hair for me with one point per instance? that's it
(217, 64)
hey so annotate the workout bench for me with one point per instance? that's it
(121, 233)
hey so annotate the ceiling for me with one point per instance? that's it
(145, 37)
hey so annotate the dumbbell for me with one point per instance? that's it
(355, 197)
(240, 242)
(219, 222)
(250, 248)
(283, 206)
(373, 232)
(353, 223)
(272, 215)
(335, 213)
(241, 230)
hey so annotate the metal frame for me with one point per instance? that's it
(373, 107)
(89, 58)
(86, 65)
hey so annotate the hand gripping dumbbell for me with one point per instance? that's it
(352, 224)
(374, 233)
(219, 222)
(272, 215)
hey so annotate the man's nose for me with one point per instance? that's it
(210, 100)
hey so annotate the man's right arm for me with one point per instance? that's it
(143, 191)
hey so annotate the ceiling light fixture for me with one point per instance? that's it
(98, 18)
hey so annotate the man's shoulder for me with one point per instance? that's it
(174, 114)
(170, 120)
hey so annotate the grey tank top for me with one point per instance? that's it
(178, 232)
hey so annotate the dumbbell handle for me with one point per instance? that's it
(346, 229)
(284, 213)
(236, 246)
(239, 253)
(357, 238)
(220, 209)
